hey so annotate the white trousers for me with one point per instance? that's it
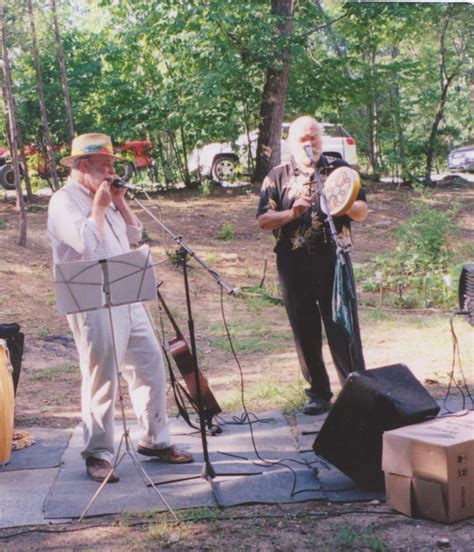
(141, 363)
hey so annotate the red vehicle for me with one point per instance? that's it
(137, 153)
(141, 152)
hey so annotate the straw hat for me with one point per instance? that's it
(90, 144)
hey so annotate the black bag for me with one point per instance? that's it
(15, 341)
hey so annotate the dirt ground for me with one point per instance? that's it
(48, 391)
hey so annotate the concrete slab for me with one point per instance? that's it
(30, 494)
(279, 473)
(47, 452)
(22, 494)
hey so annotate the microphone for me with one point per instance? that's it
(119, 184)
(309, 153)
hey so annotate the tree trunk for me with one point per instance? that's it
(187, 178)
(374, 150)
(62, 68)
(21, 144)
(445, 81)
(39, 84)
(13, 130)
(272, 107)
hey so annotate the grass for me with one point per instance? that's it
(226, 232)
(35, 208)
(265, 394)
(258, 296)
(346, 536)
(43, 331)
(52, 373)
(351, 538)
(250, 337)
(3, 224)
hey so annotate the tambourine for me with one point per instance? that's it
(341, 189)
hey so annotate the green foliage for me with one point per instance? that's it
(146, 238)
(3, 224)
(44, 331)
(226, 232)
(35, 208)
(184, 74)
(267, 394)
(421, 270)
(346, 536)
(270, 294)
(53, 373)
(424, 238)
(206, 188)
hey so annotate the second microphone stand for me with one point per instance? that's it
(208, 472)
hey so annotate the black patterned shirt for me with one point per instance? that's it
(283, 185)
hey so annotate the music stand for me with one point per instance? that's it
(89, 285)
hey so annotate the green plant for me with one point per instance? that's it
(226, 232)
(424, 237)
(271, 295)
(375, 544)
(346, 536)
(3, 224)
(35, 208)
(206, 188)
(53, 373)
(419, 272)
(43, 331)
(145, 236)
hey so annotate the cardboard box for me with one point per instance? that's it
(429, 468)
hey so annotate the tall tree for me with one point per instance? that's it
(272, 107)
(63, 72)
(448, 71)
(13, 129)
(48, 141)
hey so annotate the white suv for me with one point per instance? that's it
(224, 162)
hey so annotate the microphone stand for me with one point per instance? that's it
(178, 239)
(339, 250)
(316, 179)
(208, 472)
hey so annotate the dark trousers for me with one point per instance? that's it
(306, 281)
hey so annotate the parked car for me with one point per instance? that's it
(461, 159)
(224, 161)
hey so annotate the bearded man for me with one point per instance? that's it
(306, 260)
(90, 219)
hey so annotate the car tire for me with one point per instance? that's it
(223, 169)
(7, 176)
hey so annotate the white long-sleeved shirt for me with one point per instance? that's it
(74, 235)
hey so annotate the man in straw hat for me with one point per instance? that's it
(306, 260)
(89, 219)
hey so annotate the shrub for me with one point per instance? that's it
(226, 232)
(422, 261)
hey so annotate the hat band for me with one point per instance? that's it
(85, 150)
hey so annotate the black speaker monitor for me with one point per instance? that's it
(466, 292)
(371, 402)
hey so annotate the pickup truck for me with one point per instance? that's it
(224, 162)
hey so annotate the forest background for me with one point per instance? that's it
(182, 73)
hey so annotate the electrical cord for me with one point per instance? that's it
(291, 516)
(247, 416)
(463, 387)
